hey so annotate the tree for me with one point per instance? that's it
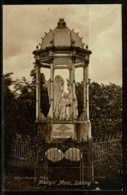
(20, 103)
(25, 107)
(105, 103)
(9, 106)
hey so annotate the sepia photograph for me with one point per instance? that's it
(62, 97)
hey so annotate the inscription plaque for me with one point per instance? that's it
(62, 131)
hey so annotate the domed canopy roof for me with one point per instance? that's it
(61, 36)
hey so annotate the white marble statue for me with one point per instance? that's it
(58, 90)
(63, 105)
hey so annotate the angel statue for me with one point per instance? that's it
(58, 88)
(63, 107)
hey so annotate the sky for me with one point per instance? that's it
(99, 25)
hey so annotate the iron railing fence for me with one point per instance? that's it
(103, 147)
(23, 148)
(20, 148)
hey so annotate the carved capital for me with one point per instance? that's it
(86, 63)
(38, 65)
(73, 58)
(51, 58)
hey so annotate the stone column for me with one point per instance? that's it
(70, 75)
(84, 88)
(87, 89)
(37, 91)
(87, 101)
(52, 88)
(73, 89)
(70, 90)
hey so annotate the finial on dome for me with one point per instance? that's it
(61, 24)
(83, 44)
(37, 47)
(39, 44)
(87, 47)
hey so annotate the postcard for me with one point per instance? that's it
(62, 88)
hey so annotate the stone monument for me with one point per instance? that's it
(60, 49)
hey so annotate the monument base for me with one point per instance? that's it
(52, 131)
(55, 131)
(83, 130)
(43, 131)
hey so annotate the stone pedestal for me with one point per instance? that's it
(88, 170)
(59, 131)
(83, 130)
(43, 131)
